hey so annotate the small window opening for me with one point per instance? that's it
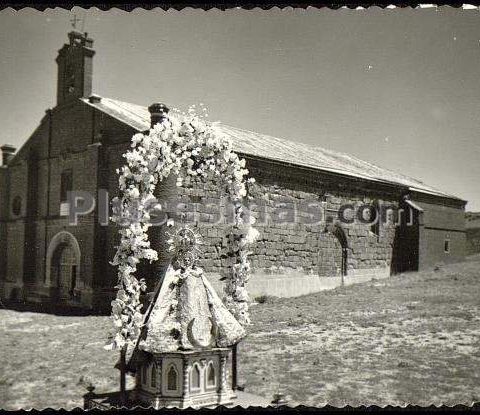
(375, 219)
(195, 377)
(172, 379)
(196, 198)
(66, 182)
(447, 246)
(211, 375)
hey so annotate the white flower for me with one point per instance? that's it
(134, 193)
(251, 235)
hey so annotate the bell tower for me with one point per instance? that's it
(75, 61)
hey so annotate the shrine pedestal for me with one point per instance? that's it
(111, 400)
(193, 378)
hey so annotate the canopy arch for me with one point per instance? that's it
(187, 147)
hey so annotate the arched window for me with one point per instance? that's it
(153, 376)
(376, 219)
(172, 378)
(333, 252)
(211, 374)
(65, 184)
(195, 377)
(342, 239)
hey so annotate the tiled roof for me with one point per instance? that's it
(278, 149)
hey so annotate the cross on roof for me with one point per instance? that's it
(74, 21)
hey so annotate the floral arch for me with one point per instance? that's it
(189, 147)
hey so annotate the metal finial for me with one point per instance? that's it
(74, 21)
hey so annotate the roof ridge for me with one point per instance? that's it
(268, 135)
(374, 165)
(281, 149)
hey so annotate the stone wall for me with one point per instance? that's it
(294, 237)
(291, 208)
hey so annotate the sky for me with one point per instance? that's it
(399, 88)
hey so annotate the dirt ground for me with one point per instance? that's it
(412, 338)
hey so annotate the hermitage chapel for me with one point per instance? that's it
(78, 146)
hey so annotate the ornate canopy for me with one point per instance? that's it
(186, 313)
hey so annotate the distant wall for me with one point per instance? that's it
(473, 241)
(433, 247)
(442, 221)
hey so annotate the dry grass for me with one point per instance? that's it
(413, 338)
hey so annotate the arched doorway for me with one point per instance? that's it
(406, 242)
(63, 267)
(333, 253)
